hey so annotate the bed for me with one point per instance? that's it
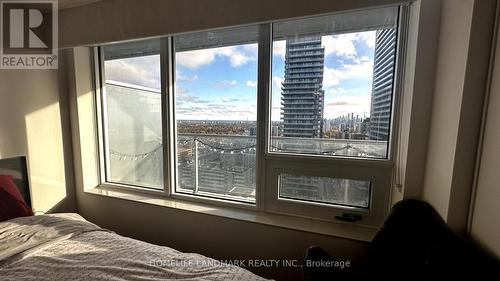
(67, 247)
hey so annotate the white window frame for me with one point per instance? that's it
(378, 171)
(102, 131)
(203, 196)
(269, 164)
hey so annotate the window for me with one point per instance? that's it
(332, 93)
(291, 117)
(333, 85)
(132, 114)
(216, 113)
(346, 192)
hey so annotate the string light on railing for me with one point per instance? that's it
(217, 148)
(135, 157)
(222, 150)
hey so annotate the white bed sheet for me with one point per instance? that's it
(66, 247)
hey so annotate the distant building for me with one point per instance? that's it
(383, 77)
(327, 125)
(253, 131)
(302, 90)
(275, 131)
(365, 127)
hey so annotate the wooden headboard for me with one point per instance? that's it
(17, 168)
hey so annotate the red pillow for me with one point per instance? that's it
(12, 204)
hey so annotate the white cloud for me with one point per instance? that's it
(343, 45)
(225, 84)
(276, 113)
(360, 70)
(279, 48)
(251, 49)
(335, 91)
(191, 99)
(141, 71)
(333, 76)
(237, 56)
(362, 59)
(252, 84)
(277, 80)
(195, 59)
(239, 59)
(180, 77)
(217, 111)
(368, 37)
(181, 90)
(342, 105)
(227, 99)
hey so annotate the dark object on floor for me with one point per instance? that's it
(319, 265)
(414, 244)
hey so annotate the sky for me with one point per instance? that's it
(221, 83)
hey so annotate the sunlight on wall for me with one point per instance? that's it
(45, 157)
(87, 132)
(86, 117)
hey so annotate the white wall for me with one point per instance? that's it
(485, 227)
(31, 125)
(460, 84)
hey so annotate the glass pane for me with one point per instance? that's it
(333, 84)
(132, 109)
(216, 113)
(347, 192)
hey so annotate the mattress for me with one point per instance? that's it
(67, 247)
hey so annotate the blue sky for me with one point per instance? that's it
(217, 84)
(220, 83)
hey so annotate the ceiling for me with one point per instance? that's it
(66, 4)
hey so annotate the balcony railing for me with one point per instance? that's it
(202, 158)
(218, 165)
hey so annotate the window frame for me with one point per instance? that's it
(379, 170)
(219, 199)
(100, 99)
(268, 164)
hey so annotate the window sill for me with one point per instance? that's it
(331, 228)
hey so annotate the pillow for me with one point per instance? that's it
(12, 204)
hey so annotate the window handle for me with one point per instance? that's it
(349, 217)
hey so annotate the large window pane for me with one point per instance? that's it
(333, 81)
(347, 192)
(132, 114)
(216, 112)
